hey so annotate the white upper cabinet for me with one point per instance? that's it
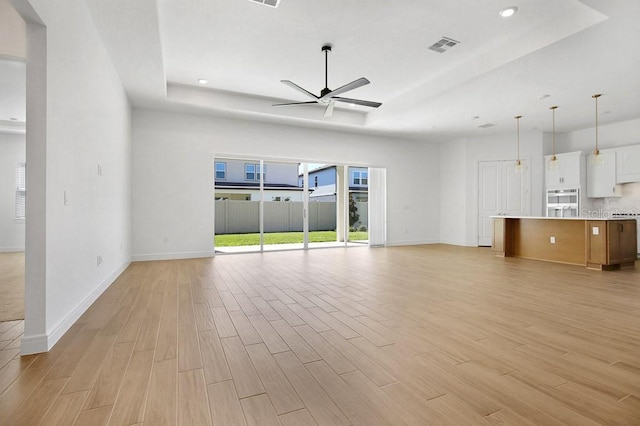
(601, 175)
(566, 171)
(628, 164)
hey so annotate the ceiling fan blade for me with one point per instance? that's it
(298, 88)
(329, 111)
(357, 102)
(349, 86)
(295, 103)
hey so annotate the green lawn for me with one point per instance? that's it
(282, 238)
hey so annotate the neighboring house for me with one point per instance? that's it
(240, 180)
(322, 183)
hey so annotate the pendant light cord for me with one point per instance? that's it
(596, 96)
(518, 117)
(553, 148)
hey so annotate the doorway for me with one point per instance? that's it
(12, 168)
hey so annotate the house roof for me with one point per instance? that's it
(252, 185)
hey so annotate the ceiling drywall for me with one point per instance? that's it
(566, 49)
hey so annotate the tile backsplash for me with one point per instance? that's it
(629, 202)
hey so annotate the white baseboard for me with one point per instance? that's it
(411, 243)
(44, 343)
(172, 256)
(34, 344)
(460, 243)
(11, 249)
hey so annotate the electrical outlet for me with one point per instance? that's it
(552, 240)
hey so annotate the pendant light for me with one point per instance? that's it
(518, 162)
(553, 161)
(596, 158)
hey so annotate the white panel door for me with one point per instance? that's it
(489, 197)
(517, 200)
(502, 191)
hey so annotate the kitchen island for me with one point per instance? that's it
(600, 244)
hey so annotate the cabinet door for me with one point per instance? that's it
(571, 169)
(622, 241)
(565, 173)
(601, 178)
(553, 174)
(628, 164)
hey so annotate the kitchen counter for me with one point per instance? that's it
(549, 218)
(592, 242)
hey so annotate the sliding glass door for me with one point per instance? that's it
(265, 205)
(283, 206)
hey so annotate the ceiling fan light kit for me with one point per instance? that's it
(327, 96)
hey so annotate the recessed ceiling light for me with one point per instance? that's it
(352, 105)
(541, 97)
(475, 117)
(509, 11)
(202, 80)
(605, 112)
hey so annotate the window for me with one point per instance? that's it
(360, 177)
(221, 171)
(249, 172)
(21, 192)
(252, 172)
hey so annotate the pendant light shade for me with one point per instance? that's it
(596, 157)
(553, 161)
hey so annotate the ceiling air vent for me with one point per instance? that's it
(272, 3)
(486, 125)
(444, 44)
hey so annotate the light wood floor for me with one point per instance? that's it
(11, 286)
(408, 335)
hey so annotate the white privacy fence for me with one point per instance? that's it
(239, 217)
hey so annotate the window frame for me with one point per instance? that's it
(360, 177)
(256, 172)
(224, 171)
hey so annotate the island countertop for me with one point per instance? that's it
(550, 218)
(597, 243)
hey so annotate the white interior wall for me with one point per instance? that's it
(173, 154)
(79, 117)
(12, 152)
(453, 197)
(459, 180)
(609, 136)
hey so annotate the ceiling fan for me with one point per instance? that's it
(330, 97)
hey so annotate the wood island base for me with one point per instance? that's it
(599, 244)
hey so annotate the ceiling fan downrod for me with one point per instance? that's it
(326, 49)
